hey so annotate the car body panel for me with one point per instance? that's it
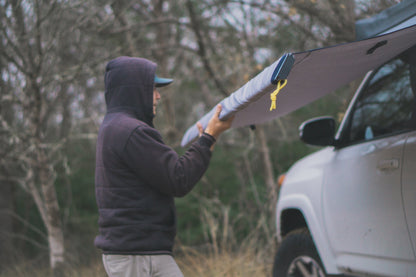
(363, 202)
(371, 266)
(302, 192)
(409, 186)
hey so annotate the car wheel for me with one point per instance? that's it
(297, 257)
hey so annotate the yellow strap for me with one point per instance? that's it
(280, 85)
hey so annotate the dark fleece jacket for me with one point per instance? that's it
(137, 176)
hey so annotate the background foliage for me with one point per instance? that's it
(52, 59)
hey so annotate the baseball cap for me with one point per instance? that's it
(161, 82)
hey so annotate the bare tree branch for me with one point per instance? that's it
(201, 48)
(26, 238)
(26, 223)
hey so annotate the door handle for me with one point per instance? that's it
(386, 165)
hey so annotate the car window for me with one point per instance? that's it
(387, 104)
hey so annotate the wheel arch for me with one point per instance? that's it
(297, 212)
(291, 219)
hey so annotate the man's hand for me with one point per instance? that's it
(215, 125)
(200, 128)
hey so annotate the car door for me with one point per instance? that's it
(362, 195)
(409, 185)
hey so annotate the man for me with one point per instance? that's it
(137, 176)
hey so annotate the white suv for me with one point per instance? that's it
(350, 208)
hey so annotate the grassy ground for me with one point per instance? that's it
(247, 261)
(225, 264)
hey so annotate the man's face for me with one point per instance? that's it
(156, 98)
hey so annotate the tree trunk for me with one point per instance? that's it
(268, 169)
(162, 39)
(51, 218)
(45, 176)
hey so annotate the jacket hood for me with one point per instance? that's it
(129, 85)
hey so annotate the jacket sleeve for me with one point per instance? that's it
(159, 166)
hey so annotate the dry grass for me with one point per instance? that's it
(245, 262)
(225, 257)
(94, 270)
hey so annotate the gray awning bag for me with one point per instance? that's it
(314, 74)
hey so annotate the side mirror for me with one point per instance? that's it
(318, 131)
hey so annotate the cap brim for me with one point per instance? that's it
(161, 82)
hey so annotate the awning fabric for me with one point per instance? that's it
(314, 74)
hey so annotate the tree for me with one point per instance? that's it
(26, 54)
(42, 65)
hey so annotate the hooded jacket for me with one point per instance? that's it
(137, 176)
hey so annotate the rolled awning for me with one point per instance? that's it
(314, 74)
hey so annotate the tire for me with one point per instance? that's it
(297, 256)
